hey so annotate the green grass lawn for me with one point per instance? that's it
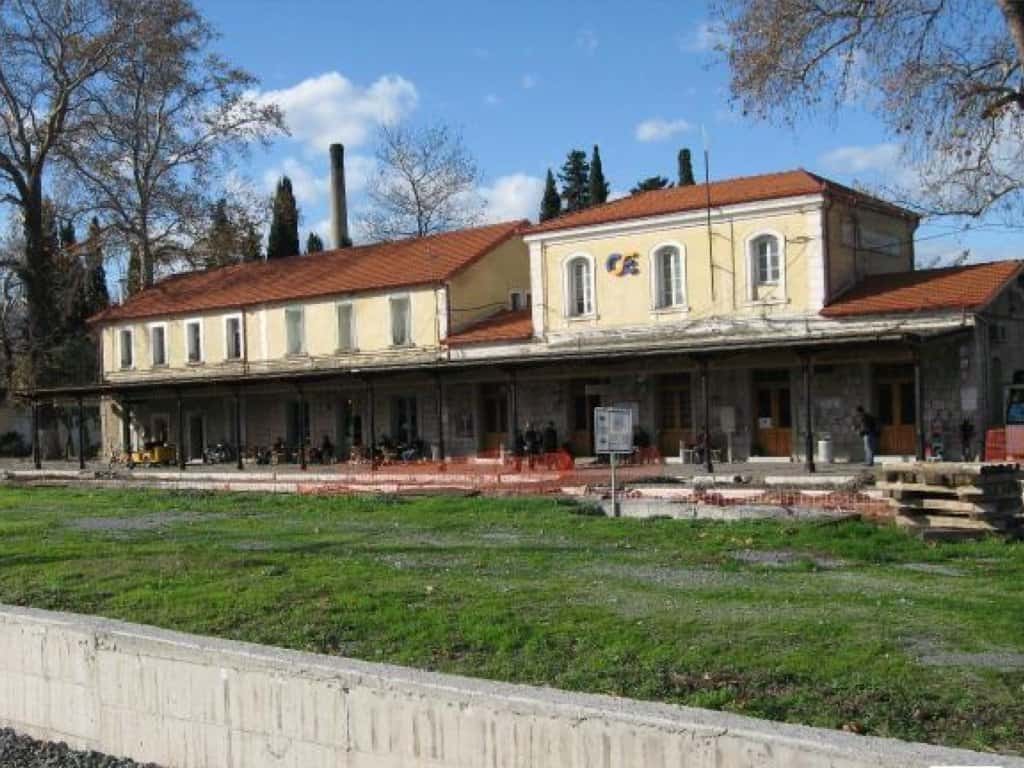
(838, 625)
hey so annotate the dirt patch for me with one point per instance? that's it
(134, 523)
(936, 568)
(930, 654)
(676, 578)
(777, 558)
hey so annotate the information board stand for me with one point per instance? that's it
(613, 434)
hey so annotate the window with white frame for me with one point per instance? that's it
(125, 343)
(766, 268)
(580, 282)
(668, 278)
(194, 340)
(295, 332)
(346, 327)
(233, 337)
(401, 321)
(158, 344)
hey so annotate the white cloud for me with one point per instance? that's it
(330, 107)
(528, 82)
(587, 40)
(877, 158)
(491, 99)
(707, 37)
(659, 129)
(512, 197)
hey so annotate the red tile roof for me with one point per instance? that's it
(403, 263)
(746, 189)
(970, 287)
(510, 325)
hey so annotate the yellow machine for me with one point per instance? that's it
(154, 455)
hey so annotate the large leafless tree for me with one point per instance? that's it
(52, 54)
(945, 76)
(156, 138)
(426, 182)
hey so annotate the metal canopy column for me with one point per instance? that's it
(706, 395)
(81, 434)
(37, 453)
(373, 424)
(126, 431)
(440, 418)
(302, 429)
(919, 405)
(809, 413)
(238, 426)
(181, 433)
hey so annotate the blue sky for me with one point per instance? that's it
(525, 82)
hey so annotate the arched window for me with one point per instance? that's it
(669, 278)
(765, 260)
(580, 284)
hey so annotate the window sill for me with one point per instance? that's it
(296, 355)
(676, 309)
(194, 363)
(581, 318)
(766, 302)
(408, 345)
(160, 365)
(346, 351)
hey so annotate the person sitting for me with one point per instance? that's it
(550, 438)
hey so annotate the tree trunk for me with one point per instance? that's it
(1013, 12)
(36, 276)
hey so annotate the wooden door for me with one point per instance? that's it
(582, 420)
(675, 414)
(773, 418)
(494, 405)
(897, 410)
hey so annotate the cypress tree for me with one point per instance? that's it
(284, 224)
(314, 244)
(97, 296)
(575, 178)
(598, 190)
(651, 182)
(551, 202)
(685, 169)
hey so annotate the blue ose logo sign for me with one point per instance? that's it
(619, 265)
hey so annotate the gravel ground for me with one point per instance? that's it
(18, 751)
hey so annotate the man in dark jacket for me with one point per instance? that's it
(868, 433)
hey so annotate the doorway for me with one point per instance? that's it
(494, 407)
(896, 401)
(348, 429)
(293, 425)
(196, 436)
(675, 413)
(773, 413)
(585, 398)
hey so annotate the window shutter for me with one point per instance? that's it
(345, 340)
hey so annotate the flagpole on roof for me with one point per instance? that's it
(707, 192)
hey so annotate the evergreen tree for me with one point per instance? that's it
(651, 182)
(685, 169)
(598, 189)
(313, 243)
(251, 242)
(97, 296)
(284, 224)
(219, 246)
(551, 202)
(575, 178)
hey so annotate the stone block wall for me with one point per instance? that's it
(184, 701)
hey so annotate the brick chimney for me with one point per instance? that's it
(339, 206)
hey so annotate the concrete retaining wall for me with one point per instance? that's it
(184, 701)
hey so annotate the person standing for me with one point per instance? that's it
(869, 434)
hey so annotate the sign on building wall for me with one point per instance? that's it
(613, 430)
